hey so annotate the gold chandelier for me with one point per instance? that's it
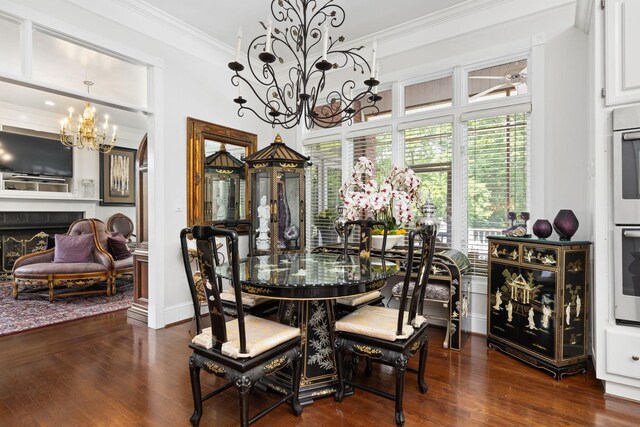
(85, 134)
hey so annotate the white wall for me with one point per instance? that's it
(566, 172)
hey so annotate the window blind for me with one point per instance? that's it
(428, 151)
(497, 165)
(323, 178)
(375, 147)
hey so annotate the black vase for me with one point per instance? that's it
(542, 228)
(565, 224)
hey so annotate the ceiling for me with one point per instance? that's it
(32, 99)
(362, 17)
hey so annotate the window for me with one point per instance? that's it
(327, 111)
(428, 152)
(375, 147)
(473, 158)
(426, 96)
(10, 45)
(324, 178)
(498, 81)
(497, 179)
(384, 107)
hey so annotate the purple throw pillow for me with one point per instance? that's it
(73, 248)
(118, 247)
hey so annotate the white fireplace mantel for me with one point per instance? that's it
(17, 202)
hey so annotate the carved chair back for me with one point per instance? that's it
(120, 223)
(419, 262)
(218, 254)
(362, 233)
(205, 237)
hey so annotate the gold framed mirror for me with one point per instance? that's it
(216, 173)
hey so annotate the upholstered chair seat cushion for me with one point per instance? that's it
(376, 322)
(359, 299)
(59, 268)
(73, 248)
(117, 245)
(434, 291)
(261, 335)
(121, 264)
(247, 299)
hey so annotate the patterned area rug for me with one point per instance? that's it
(33, 310)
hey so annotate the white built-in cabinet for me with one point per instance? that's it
(622, 57)
(616, 348)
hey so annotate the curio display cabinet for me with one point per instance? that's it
(224, 186)
(276, 199)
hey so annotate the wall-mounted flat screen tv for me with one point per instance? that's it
(34, 155)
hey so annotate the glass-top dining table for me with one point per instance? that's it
(308, 284)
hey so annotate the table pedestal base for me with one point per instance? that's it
(316, 322)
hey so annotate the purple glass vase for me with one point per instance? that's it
(542, 228)
(565, 224)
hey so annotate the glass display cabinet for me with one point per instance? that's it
(276, 199)
(224, 186)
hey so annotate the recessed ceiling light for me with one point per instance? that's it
(51, 103)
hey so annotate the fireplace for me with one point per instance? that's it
(26, 232)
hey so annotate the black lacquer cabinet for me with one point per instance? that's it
(538, 292)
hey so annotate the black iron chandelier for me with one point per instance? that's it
(296, 94)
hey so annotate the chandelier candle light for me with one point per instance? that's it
(285, 98)
(86, 134)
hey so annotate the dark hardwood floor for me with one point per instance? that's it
(110, 371)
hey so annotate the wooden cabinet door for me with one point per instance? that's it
(622, 61)
(523, 308)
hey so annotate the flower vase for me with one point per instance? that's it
(566, 224)
(392, 240)
(542, 228)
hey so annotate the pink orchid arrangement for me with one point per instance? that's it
(390, 201)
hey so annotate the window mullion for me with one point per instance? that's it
(459, 186)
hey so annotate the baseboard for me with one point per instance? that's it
(622, 390)
(178, 312)
(478, 324)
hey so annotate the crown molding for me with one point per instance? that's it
(584, 9)
(70, 29)
(146, 19)
(485, 13)
(457, 20)
(151, 21)
(153, 13)
(449, 14)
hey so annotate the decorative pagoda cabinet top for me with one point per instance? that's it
(277, 199)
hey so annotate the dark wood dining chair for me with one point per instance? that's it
(251, 304)
(387, 335)
(243, 350)
(362, 233)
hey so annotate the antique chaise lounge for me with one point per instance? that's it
(51, 270)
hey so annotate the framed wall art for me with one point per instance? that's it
(117, 177)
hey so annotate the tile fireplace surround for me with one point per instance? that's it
(18, 229)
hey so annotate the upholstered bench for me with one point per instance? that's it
(449, 288)
(53, 269)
